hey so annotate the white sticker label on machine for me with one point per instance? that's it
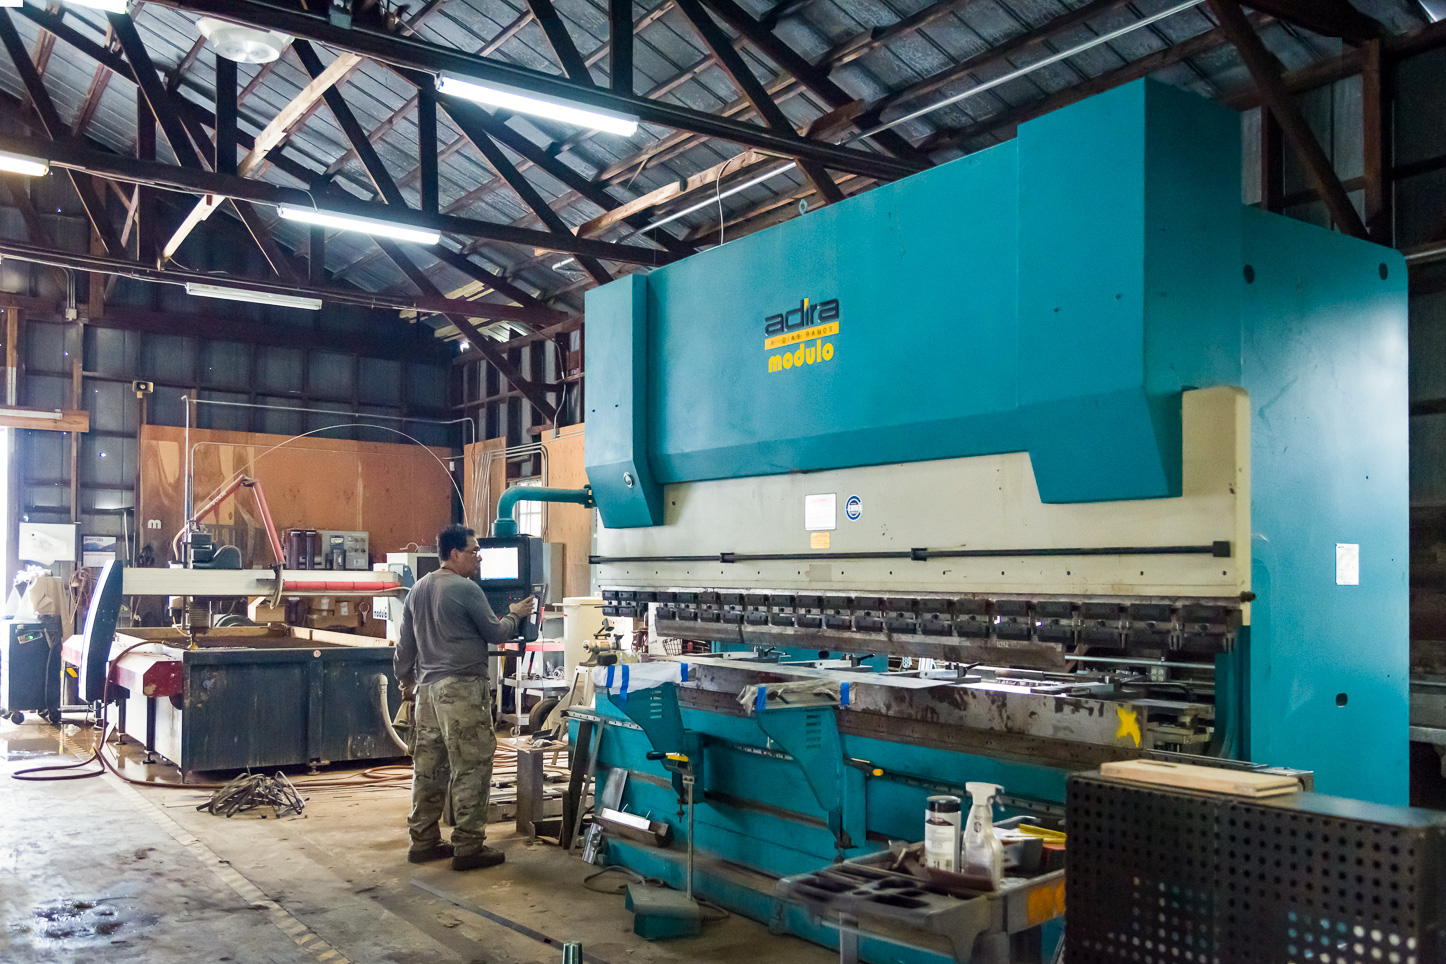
(820, 512)
(1348, 564)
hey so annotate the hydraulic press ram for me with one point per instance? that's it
(1049, 456)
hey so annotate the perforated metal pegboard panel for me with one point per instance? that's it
(1159, 876)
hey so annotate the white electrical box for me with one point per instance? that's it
(410, 566)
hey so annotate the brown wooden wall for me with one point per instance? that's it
(396, 492)
(568, 524)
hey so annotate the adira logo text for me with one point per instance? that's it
(801, 336)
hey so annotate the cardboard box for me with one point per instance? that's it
(261, 611)
(345, 624)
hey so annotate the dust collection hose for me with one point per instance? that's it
(506, 525)
(383, 684)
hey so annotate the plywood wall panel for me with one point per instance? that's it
(398, 493)
(570, 525)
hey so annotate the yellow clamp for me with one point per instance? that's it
(678, 757)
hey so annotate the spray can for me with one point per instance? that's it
(941, 833)
(982, 856)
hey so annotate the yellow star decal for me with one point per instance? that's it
(1129, 723)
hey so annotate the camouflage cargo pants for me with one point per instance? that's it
(455, 744)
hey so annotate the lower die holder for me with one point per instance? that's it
(659, 912)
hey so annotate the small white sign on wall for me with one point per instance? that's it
(820, 512)
(1348, 564)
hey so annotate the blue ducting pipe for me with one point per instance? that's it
(506, 526)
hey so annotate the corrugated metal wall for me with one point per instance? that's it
(205, 369)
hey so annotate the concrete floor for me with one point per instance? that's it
(97, 870)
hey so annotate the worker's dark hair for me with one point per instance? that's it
(452, 538)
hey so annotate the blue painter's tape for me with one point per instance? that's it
(843, 694)
(623, 693)
(761, 701)
(685, 671)
(611, 669)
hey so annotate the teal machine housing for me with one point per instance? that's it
(1056, 295)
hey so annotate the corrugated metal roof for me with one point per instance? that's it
(665, 49)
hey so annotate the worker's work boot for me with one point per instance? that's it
(486, 857)
(439, 852)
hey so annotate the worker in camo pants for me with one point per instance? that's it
(447, 625)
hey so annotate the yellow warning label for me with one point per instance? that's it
(818, 540)
(803, 334)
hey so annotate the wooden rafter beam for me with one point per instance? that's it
(428, 164)
(459, 261)
(389, 190)
(561, 42)
(256, 226)
(1329, 18)
(223, 161)
(845, 52)
(56, 130)
(154, 90)
(535, 154)
(620, 41)
(68, 156)
(1266, 71)
(815, 79)
(748, 85)
(502, 164)
(1002, 124)
(533, 392)
(995, 56)
(44, 47)
(19, 190)
(401, 113)
(410, 52)
(99, 81)
(738, 165)
(430, 301)
(265, 142)
(176, 74)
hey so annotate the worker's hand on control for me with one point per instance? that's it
(524, 608)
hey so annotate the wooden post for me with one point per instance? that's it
(1272, 163)
(12, 356)
(1376, 133)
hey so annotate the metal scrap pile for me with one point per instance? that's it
(252, 790)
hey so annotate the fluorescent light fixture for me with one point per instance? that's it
(350, 222)
(709, 202)
(540, 105)
(29, 413)
(109, 6)
(23, 164)
(257, 297)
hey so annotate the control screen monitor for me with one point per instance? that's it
(498, 564)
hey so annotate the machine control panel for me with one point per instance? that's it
(344, 550)
(509, 570)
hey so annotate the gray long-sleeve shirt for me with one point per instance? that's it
(447, 625)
